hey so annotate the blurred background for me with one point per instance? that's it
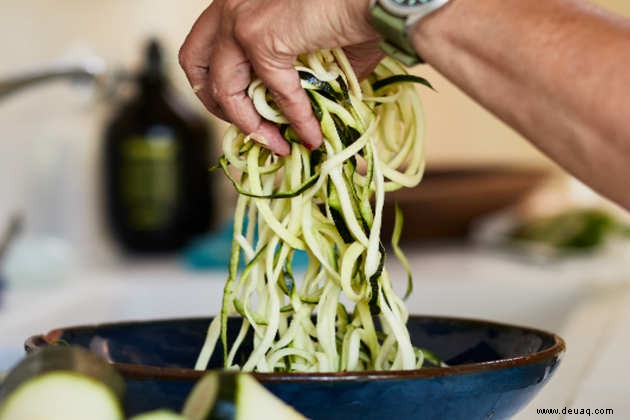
(107, 211)
(54, 134)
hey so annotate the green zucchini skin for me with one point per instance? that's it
(225, 406)
(401, 78)
(213, 397)
(232, 395)
(64, 358)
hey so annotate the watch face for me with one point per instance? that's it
(404, 7)
(409, 3)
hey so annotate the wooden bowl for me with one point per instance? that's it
(448, 200)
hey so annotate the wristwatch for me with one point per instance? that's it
(393, 19)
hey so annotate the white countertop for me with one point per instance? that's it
(586, 301)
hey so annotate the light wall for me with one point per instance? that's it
(461, 132)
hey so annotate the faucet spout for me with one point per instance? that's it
(89, 71)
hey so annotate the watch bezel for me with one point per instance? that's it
(404, 11)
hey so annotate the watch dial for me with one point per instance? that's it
(404, 8)
(410, 3)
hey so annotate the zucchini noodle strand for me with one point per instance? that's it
(329, 203)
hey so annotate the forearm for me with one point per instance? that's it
(556, 71)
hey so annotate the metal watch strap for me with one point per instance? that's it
(394, 32)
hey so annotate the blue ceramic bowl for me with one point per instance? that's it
(495, 370)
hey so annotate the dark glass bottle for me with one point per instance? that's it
(156, 166)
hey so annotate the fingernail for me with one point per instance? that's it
(313, 146)
(197, 88)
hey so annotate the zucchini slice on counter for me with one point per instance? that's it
(236, 396)
(66, 383)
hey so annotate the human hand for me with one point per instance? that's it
(234, 39)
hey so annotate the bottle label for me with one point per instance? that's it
(150, 178)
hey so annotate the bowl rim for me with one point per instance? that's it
(147, 372)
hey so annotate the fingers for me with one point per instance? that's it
(272, 60)
(194, 56)
(232, 37)
(283, 83)
(219, 75)
(219, 72)
(229, 75)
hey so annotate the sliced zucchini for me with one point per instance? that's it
(159, 415)
(234, 396)
(61, 395)
(66, 358)
(62, 382)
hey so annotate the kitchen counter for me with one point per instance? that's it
(586, 301)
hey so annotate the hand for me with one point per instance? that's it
(233, 39)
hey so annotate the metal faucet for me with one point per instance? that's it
(91, 70)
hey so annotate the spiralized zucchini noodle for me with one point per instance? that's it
(329, 203)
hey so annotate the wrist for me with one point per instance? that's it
(395, 21)
(427, 34)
